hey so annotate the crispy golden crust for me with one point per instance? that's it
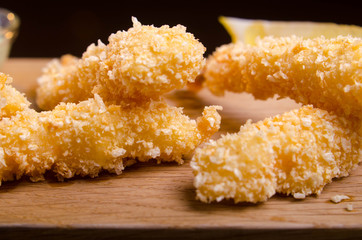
(326, 73)
(82, 139)
(124, 119)
(137, 65)
(11, 101)
(295, 153)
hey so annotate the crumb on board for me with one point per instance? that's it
(339, 198)
(349, 207)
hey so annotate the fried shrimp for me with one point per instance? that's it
(90, 136)
(326, 73)
(296, 153)
(136, 65)
(107, 108)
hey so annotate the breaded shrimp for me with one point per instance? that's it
(11, 101)
(137, 65)
(84, 138)
(326, 73)
(296, 153)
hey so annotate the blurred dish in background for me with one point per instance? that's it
(247, 30)
(9, 26)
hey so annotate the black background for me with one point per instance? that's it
(53, 28)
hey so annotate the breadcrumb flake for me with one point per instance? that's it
(339, 198)
(349, 207)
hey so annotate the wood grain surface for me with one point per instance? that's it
(150, 201)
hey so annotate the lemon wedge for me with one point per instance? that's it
(247, 30)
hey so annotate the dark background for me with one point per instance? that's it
(52, 28)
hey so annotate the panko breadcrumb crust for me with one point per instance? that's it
(296, 153)
(109, 110)
(326, 73)
(85, 138)
(136, 65)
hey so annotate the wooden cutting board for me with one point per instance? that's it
(158, 201)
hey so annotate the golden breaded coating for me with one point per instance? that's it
(136, 65)
(84, 138)
(11, 101)
(296, 153)
(326, 73)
